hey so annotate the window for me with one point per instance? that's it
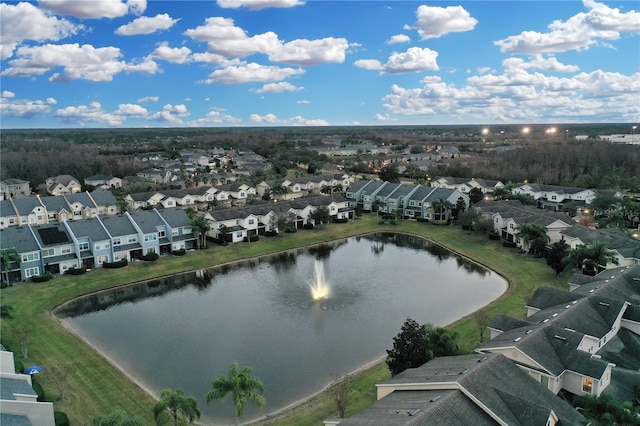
(117, 241)
(30, 257)
(239, 234)
(40, 218)
(251, 221)
(132, 238)
(77, 213)
(175, 232)
(162, 234)
(30, 272)
(83, 246)
(587, 385)
(65, 250)
(48, 252)
(150, 237)
(12, 221)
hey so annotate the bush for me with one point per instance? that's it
(19, 365)
(422, 219)
(42, 278)
(61, 418)
(308, 226)
(343, 220)
(494, 236)
(291, 230)
(509, 244)
(271, 234)
(117, 264)
(39, 390)
(251, 239)
(180, 252)
(76, 271)
(150, 257)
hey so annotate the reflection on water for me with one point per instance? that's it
(260, 312)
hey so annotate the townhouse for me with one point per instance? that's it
(33, 250)
(465, 185)
(477, 389)
(580, 341)
(625, 248)
(12, 187)
(414, 201)
(553, 197)
(19, 403)
(44, 210)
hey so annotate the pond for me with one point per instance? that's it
(185, 330)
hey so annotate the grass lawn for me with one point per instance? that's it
(95, 387)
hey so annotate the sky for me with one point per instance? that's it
(242, 63)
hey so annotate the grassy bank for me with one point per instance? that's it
(95, 387)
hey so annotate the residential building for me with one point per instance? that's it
(62, 185)
(11, 187)
(103, 182)
(553, 197)
(19, 403)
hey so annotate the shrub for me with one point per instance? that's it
(180, 252)
(117, 264)
(343, 220)
(291, 230)
(422, 219)
(61, 418)
(509, 244)
(270, 234)
(254, 237)
(42, 278)
(19, 366)
(150, 257)
(39, 390)
(494, 236)
(308, 226)
(76, 271)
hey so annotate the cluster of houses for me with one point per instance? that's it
(583, 341)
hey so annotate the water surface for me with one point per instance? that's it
(183, 331)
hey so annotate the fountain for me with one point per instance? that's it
(320, 289)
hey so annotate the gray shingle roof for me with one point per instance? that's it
(90, 228)
(19, 237)
(118, 226)
(10, 386)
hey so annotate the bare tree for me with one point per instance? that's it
(60, 373)
(482, 320)
(23, 335)
(340, 393)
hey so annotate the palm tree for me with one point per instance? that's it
(242, 386)
(441, 205)
(200, 226)
(178, 404)
(529, 232)
(598, 255)
(376, 205)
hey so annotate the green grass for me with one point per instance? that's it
(95, 387)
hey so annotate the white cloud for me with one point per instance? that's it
(303, 102)
(414, 59)
(92, 9)
(215, 117)
(251, 72)
(280, 87)
(78, 62)
(368, 64)
(23, 108)
(398, 38)
(538, 62)
(258, 4)
(172, 113)
(148, 99)
(78, 115)
(131, 110)
(311, 52)
(434, 22)
(224, 38)
(178, 55)
(577, 33)
(147, 25)
(298, 120)
(24, 21)
(518, 95)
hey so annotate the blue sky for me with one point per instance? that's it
(220, 63)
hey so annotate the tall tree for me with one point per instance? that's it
(389, 173)
(476, 195)
(598, 255)
(528, 232)
(557, 252)
(320, 215)
(442, 206)
(341, 392)
(242, 386)
(409, 348)
(180, 406)
(482, 320)
(200, 226)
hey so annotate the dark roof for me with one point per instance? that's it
(26, 205)
(623, 350)
(118, 226)
(88, 228)
(493, 381)
(10, 386)
(103, 197)
(545, 297)
(19, 237)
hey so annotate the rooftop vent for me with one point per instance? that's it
(414, 412)
(435, 398)
(466, 370)
(545, 320)
(606, 305)
(483, 359)
(528, 331)
(555, 315)
(517, 339)
(560, 337)
(570, 329)
(592, 290)
(567, 307)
